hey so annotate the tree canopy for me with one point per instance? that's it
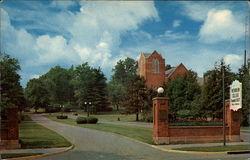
(11, 90)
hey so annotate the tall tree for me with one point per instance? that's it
(135, 96)
(90, 86)
(37, 94)
(58, 84)
(11, 90)
(212, 100)
(182, 91)
(244, 78)
(124, 71)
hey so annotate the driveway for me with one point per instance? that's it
(98, 145)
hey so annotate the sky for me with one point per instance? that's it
(44, 34)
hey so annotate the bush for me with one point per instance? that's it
(92, 120)
(81, 120)
(147, 116)
(67, 107)
(62, 117)
(84, 120)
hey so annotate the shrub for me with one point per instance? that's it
(62, 117)
(92, 120)
(67, 107)
(147, 116)
(81, 120)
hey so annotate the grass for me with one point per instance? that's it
(113, 117)
(216, 148)
(14, 155)
(245, 128)
(33, 135)
(138, 133)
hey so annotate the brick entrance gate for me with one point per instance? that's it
(165, 134)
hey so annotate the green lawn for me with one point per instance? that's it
(216, 148)
(33, 135)
(245, 128)
(138, 133)
(14, 155)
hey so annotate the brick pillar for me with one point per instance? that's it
(160, 120)
(13, 129)
(233, 123)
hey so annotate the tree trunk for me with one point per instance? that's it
(137, 116)
(117, 107)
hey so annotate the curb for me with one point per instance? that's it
(42, 155)
(238, 152)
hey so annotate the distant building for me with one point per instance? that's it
(152, 68)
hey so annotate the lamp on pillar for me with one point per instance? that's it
(160, 118)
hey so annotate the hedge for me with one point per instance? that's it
(84, 120)
(62, 117)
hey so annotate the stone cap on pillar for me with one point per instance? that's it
(166, 98)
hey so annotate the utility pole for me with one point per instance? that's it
(223, 99)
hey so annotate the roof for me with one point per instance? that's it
(170, 71)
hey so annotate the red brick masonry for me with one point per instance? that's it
(10, 130)
(165, 134)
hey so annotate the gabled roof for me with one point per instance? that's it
(147, 55)
(170, 71)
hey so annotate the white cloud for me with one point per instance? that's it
(221, 25)
(170, 35)
(198, 11)
(92, 34)
(176, 23)
(233, 60)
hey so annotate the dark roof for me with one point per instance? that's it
(170, 71)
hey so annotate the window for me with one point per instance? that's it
(155, 66)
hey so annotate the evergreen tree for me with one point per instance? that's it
(183, 92)
(212, 92)
(244, 78)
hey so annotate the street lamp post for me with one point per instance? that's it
(86, 103)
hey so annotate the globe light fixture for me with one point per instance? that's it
(160, 90)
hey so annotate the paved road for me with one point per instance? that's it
(98, 145)
(245, 134)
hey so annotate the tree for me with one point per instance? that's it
(212, 100)
(168, 66)
(11, 90)
(124, 71)
(100, 91)
(135, 96)
(244, 78)
(90, 86)
(37, 94)
(183, 92)
(58, 84)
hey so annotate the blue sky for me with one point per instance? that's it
(43, 34)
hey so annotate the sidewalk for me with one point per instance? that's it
(200, 145)
(38, 150)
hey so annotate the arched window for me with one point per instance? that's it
(155, 66)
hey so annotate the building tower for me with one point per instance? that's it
(152, 68)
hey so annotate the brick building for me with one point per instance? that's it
(152, 68)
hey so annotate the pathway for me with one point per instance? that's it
(98, 145)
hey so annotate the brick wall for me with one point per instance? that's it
(164, 134)
(153, 80)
